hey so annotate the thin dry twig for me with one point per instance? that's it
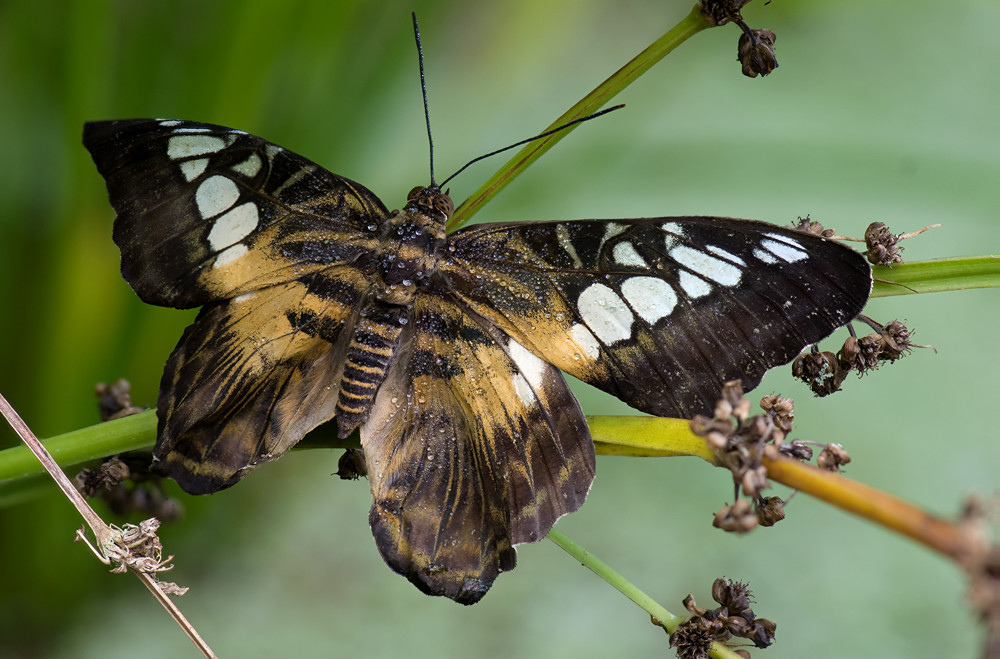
(134, 548)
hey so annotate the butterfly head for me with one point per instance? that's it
(431, 201)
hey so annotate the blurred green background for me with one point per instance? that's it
(877, 112)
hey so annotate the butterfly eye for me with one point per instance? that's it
(443, 203)
(414, 193)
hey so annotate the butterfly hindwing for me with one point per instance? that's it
(474, 445)
(206, 213)
(251, 376)
(659, 312)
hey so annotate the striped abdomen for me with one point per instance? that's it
(369, 356)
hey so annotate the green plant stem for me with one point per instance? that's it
(595, 100)
(129, 433)
(660, 615)
(938, 275)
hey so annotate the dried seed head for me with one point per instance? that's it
(869, 349)
(352, 465)
(742, 410)
(693, 638)
(832, 458)
(737, 518)
(883, 247)
(733, 617)
(735, 596)
(797, 450)
(781, 411)
(732, 392)
(762, 633)
(754, 480)
(720, 12)
(820, 370)
(896, 340)
(114, 400)
(91, 482)
(770, 511)
(716, 440)
(848, 353)
(807, 225)
(756, 52)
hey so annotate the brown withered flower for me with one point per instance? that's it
(756, 52)
(820, 370)
(832, 458)
(770, 511)
(883, 245)
(351, 465)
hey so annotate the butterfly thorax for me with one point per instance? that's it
(411, 244)
(412, 241)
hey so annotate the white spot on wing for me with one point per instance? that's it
(706, 265)
(611, 229)
(188, 146)
(240, 299)
(233, 227)
(694, 286)
(167, 123)
(527, 362)
(651, 298)
(764, 256)
(562, 234)
(605, 313)
(674, 232)
(216, 194)
(673, 227)
(229, 255)
(523, 390)
(586, 341)
(249, 167)
(192, 169)
(784, 248)
(625, 254)
(718, 251)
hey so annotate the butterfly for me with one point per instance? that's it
(318, 303)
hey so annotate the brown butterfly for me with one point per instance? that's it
(445, 350)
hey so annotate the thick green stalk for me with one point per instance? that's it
(938, 275)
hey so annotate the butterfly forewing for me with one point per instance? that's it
(206, 213)
(659, 312)
(474, 445)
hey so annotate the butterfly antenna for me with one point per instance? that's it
(530, 139)
(423, 91)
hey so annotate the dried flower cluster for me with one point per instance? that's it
(824, 372)
(114, 400)
(733, 617)
(137, 548)
(124, 482)
(740, 442)
(755, 49)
